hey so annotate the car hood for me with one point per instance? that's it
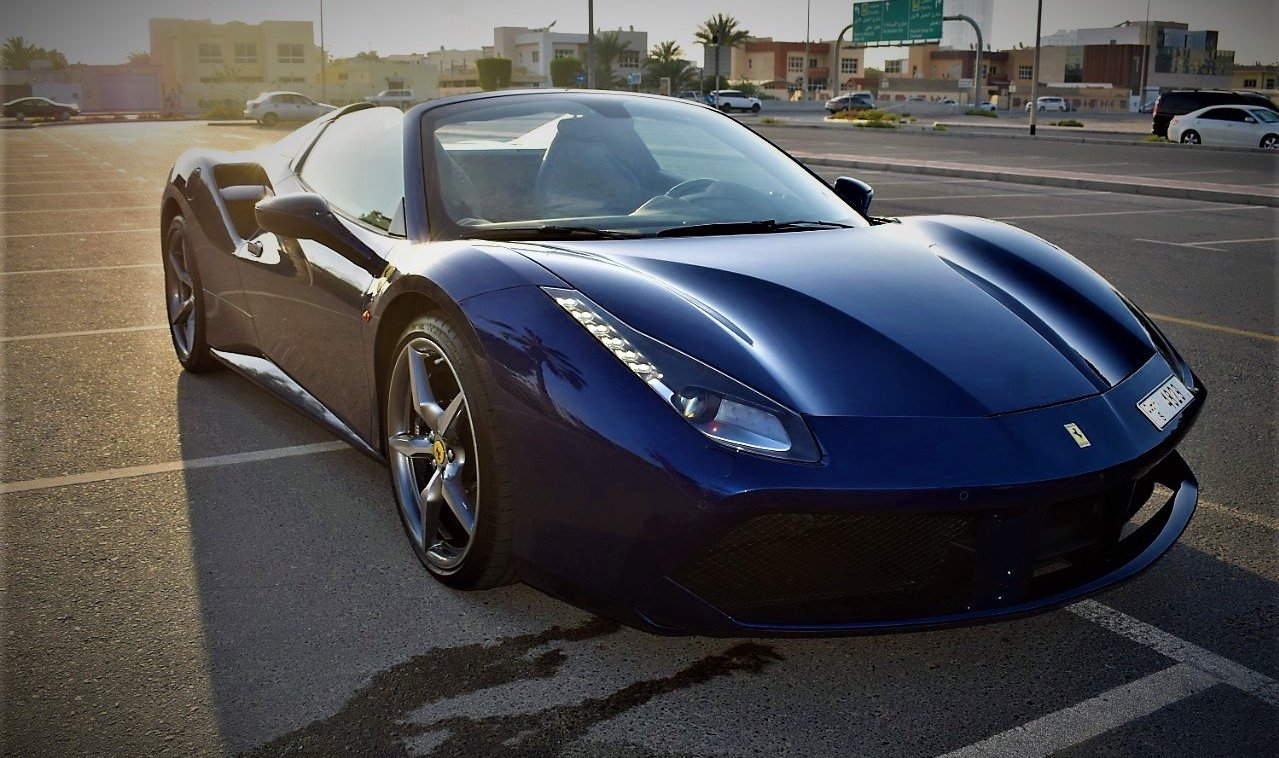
(935, 316)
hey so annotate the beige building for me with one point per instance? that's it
(204, 64)
(778, 68)
(1262, 78)
(532, 50)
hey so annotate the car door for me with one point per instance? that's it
(1235, 127)
(1211, 125)
(306, 297)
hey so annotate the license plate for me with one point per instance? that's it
(1163, 405)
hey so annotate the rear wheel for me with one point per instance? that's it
(64, 115)
(448, 471)
(270, 119)
(1270, 142)
(1190, 137)
(755, 108)
(21, 116)
(184, 300)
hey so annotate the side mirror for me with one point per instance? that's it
(1249, 119)
(855, 192)
(304, 216)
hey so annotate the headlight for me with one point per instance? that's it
(718, 406)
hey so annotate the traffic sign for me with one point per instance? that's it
(634, 79)
(896, 22)
(581, 77)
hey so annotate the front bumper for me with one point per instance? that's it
(905, 522)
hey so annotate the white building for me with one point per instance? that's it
(532, 50)
(959, 35)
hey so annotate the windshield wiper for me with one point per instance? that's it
(551, 231)
(748, 227)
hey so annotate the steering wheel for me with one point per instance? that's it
(691, 186)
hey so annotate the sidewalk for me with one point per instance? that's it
(1135, 185)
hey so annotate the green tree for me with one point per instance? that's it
(55, 57)
(368, 55)
(666, 60)
(17, 54)
(138, 57)
(720, 31)
(494, 73)
(608, 49)
(564, 71)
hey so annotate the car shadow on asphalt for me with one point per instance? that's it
(323, 634)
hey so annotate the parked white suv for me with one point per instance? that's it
(398, 98)
(270, 107)
(1051, 104)
(732, 100)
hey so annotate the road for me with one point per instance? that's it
(180, 578)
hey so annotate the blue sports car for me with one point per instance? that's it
(624, 349)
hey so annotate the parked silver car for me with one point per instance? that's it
(272, 107)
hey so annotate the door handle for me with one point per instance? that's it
(254, 247)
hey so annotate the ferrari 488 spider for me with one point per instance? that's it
(624, 349)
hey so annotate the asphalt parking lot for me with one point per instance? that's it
(191, 568)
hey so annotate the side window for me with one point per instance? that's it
(1213, 114)
(358, 165)
(1232, 114)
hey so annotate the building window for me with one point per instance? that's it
(1024, 72)
(537, 56)
(563, 53)
(1270, 84)
(289, 53)
(893, 66)
(812, 63)
(246, 52)
(209, 52)
(290, 79)
(848, 66)
(1250, 83)
(629, 59)
(794, 63)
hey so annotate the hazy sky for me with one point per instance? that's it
(104, 31)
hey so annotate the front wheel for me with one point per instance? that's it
(448, 471)
(1270, 142)
(755, 108)
(184, 300)
(20, 116)
(1190, 138)
(64, 115)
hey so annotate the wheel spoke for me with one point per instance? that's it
(183, 311)
(456, 498)
(429, 507)
(450, 414)
(424, 403)
(411, 445)
(177, 259)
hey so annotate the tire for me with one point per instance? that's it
(1190, 137)
(726, 108)
(1270, 142)
(20, 116)
(184, 300)
(448, 468)
(755, 108)
(270, 119)
(64, 115)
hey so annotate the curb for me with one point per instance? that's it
(1132, 187)
(986, 132)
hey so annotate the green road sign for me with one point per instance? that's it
(900, 22)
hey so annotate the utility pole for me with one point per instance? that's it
(324, 56)
(590, 44)
(1034, 81)
(839, 47)
(1145, 64)
(808, 26)
(977, 62)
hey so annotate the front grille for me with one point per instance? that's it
(816, 567)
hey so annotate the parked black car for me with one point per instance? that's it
(40, 107)
(1179, 102)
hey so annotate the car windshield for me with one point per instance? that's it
(1265, 116)
(567, 165)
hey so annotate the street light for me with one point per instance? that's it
(590, 44)
(1034, 82)
(324, 86)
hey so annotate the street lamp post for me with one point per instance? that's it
(1034, 82)
(808, 26)
(590, 44)
(324, 55)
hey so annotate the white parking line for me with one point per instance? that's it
(1005, 194)
(77, 234)
(1256, 519)
(86, 333)
(1235, 674)
(1095, 716)
(76, 270)
(1217, 208)
(85, 210)
(161, 468)
(1213, 327)
(1207, 244)
(236, 136)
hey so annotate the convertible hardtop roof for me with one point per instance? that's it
(454, 99)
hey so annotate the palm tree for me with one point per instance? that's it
(608, 48)
(17, 54)
(666, 60)
(720, 31)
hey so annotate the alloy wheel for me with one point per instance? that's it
(434, 461)
(1270, 142)
(1190, 138)
(179, 290)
